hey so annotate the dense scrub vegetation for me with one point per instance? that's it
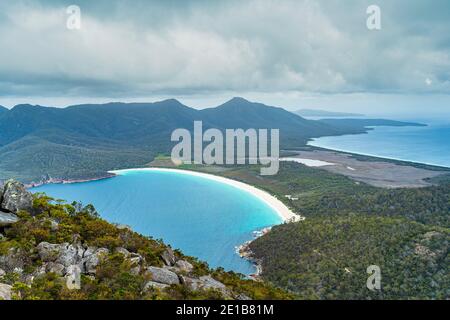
(113, 279)
(350, 226)
(327, 258)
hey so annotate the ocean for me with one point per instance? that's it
(430, 144)
(202, 217)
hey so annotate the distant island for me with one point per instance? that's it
(325, 113)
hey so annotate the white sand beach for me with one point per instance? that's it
(283, 211)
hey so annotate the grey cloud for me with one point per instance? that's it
(139, 48)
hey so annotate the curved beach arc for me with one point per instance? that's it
(279, 207)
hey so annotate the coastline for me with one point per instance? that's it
(67, 181)
(279, 207)
(245, 253)
(411, 162)
(243, 250)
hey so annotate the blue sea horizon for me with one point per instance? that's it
(428, 145)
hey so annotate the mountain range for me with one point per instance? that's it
(85, 141)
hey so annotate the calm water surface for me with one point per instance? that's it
(202, 217)
(429, 144)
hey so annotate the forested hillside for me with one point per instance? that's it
(350, 226)
(85, 141)
(328, 257)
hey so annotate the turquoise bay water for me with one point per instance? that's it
(202, 217)
(429, 144)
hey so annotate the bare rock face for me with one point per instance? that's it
(14, 261)
(59, 257)
(53, 267)
(163, 276)
(185, 266)
(135, 259)
(15, 197)
(73, 277)
(7, 219)
(49, 252)
(5, 291)
(168, 257)
(92, 258)
(206, 283)
(70, 255)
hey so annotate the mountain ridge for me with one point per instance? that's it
(87, 140)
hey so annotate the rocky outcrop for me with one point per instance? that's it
(14, 260)
(71, 254)
(162, 275)
(206, 283)
(59, 257)
(64, 254)
(73, 277)
(5, 291)
(48, 252)
(54, 267)
(168, 257)
(92, 258)
(15, 197)
(136, 260)
(242, 296)
(71, 260)
(184, 266)
(7, 219)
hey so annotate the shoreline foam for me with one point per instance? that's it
(279, 207)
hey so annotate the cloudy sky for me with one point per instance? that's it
(296, 54)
